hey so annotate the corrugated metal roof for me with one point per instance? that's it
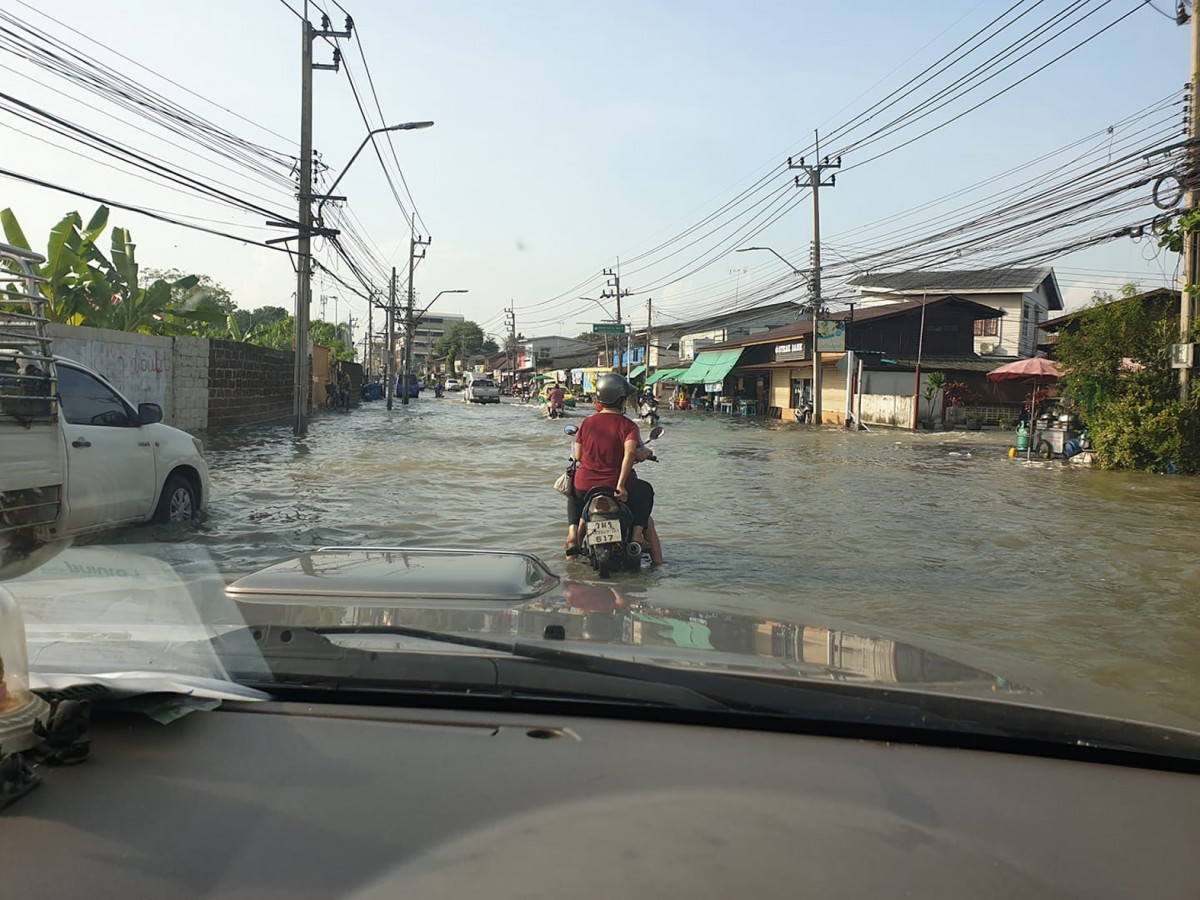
(964, 281)
(930, 363)
(882, 311)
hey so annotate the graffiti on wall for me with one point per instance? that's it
(139, 366)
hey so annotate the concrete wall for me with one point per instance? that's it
(248, 385)
(138, 365)
(189, 385)
(887, 409)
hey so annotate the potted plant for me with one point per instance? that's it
(934, 382)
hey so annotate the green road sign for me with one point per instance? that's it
(608, 328)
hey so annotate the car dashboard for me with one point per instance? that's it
(325, 799)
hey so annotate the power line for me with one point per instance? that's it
(116, 204)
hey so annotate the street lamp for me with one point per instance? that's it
(406, 126)
(795, 271)
(816, 315)
(303, 365)
(411, 335)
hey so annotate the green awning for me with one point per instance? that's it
(662, 374)
(710, 366)
(636, 371)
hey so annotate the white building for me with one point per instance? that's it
(429, 331)
(1025, 296)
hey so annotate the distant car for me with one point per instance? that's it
(453, 384)
(414, 385)
(482, 390)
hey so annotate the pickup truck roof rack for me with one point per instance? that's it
(32, 465)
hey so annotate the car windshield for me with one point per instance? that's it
(916, 341)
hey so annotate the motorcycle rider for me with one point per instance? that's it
(606, 446)
(557, 400)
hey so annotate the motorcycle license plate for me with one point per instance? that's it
(604, 531)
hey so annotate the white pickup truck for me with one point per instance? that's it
(481, 389)
(76, 456)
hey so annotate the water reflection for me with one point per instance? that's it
(609, 615)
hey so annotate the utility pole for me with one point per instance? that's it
(614, 281)
(301, 370)
(389, 355)
(510, 319)
(370, 337)
(649, 325)
(1191, 246)
(814, 171)
(409, 324)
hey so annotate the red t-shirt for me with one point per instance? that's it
(601, 439)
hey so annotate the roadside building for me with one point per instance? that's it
(429, 330)
(874, 378)
(1160, 301)
(674, 345)
(1026, 297)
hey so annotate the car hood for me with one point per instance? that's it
(511, 596)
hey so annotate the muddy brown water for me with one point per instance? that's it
(1091, 575)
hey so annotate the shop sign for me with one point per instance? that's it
(792, 351)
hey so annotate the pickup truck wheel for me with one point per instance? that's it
(178, 502)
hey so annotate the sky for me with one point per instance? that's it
(571, 136)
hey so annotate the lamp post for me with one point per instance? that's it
(816, 314)
(406, 126)
(303, 365)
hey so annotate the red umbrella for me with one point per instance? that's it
(1036, 367)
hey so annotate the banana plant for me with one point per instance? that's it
(72, 261)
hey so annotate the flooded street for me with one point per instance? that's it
(1089, 574)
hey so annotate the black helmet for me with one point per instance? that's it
(612, 388)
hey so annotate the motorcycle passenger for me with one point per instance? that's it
(606, 446)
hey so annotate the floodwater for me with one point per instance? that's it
(1091, 575)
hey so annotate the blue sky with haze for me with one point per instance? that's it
(569, 134)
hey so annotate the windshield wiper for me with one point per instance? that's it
(814, 706)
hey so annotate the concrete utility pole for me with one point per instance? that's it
(1191, 246)
(301, 370)
(510, 319)
(649, 326)
(814, 171)
(389, 355)
(370, 336)
(409, 322)
(614, 281)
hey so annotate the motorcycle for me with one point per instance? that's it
(439, 392)
(557, 411)
(804, 412)
(648, 411)
(606, 525)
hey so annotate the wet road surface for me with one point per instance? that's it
(936, 536)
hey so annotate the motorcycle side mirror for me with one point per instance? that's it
(570, 429)
(656, 432)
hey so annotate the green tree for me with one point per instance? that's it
(334, 336)
(84, 287)
(461, 339)
(1116, 358)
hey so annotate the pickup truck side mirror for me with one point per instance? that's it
(149, 413)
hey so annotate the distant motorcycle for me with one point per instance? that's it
(648, 410)
(557, 411)
(607, 526)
